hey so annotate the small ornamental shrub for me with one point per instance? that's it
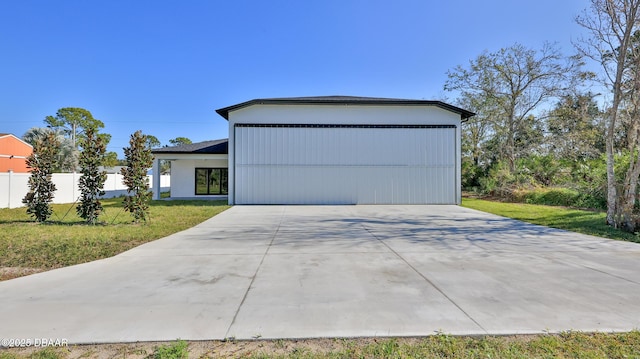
(139, 158)
(41, 187)
(91, 182)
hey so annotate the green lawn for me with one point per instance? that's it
(66, 240)
(587, 222)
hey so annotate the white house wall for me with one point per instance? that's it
(183, 175)
(344, 164)
(345, 114)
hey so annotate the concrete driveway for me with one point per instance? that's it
(335, 271)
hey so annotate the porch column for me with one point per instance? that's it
(156, 179)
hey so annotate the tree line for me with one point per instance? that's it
(138, 159)
(543, 134)
(72, 142)
(69, 126)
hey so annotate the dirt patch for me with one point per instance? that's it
(7, 273)
(212, 349)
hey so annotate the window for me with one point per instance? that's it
(211, 181)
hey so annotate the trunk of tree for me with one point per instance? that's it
(616, 205)
(511, 143)
(628, 200)
(613, 25)
(611, 177)
(73, 136)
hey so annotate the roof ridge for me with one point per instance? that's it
(349, 100)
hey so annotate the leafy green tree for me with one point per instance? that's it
(476, 133)
(139, 158)
(515, 81)
(178, 141)
(612, 26)
(66, 156)
(575, 128)
(41, 186)
(73, 121)
(36, 133)
(153, 141)
(110, 159)
(92, 180)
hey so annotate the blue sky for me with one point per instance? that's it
(164, 67)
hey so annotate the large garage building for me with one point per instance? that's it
(343, 150)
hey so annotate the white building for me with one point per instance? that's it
(326, 150)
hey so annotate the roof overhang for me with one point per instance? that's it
(344, 100)
(206, 147)
(190, 156)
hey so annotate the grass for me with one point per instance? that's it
(177, 350)
(564, 345)
(66, 240)
(580, 221)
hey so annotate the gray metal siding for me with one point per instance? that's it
(345, 165)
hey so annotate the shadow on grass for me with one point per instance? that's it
(190, 202)
(113, 210)
(590, 222)
(11, 221)
(51, 222)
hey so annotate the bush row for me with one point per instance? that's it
(559, 197)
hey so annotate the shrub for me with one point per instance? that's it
(91, 182)
(41, 187)
(139, 159)
(558, 196)
(177, 350)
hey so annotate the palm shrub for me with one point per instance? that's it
(41, 187)
(92, 180)
(138, 158)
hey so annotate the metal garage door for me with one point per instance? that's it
(345, 164)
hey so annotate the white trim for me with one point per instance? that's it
(189, 156)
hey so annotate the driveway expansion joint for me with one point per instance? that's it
(573, 263)
(426, 279)
(253, 278)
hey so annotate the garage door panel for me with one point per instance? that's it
(339, 165)
(344, 146)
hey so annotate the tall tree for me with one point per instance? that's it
(73, 121)
(612, 25)
(110, 159)
(153, 141)
(476, 131)
(517, 80)
(180, 141)
(66, 156)
(139, 158)
(41, 186)
(575, 128)
(92, 180)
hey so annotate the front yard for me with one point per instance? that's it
(27, 247)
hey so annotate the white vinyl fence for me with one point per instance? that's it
(14, 186)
